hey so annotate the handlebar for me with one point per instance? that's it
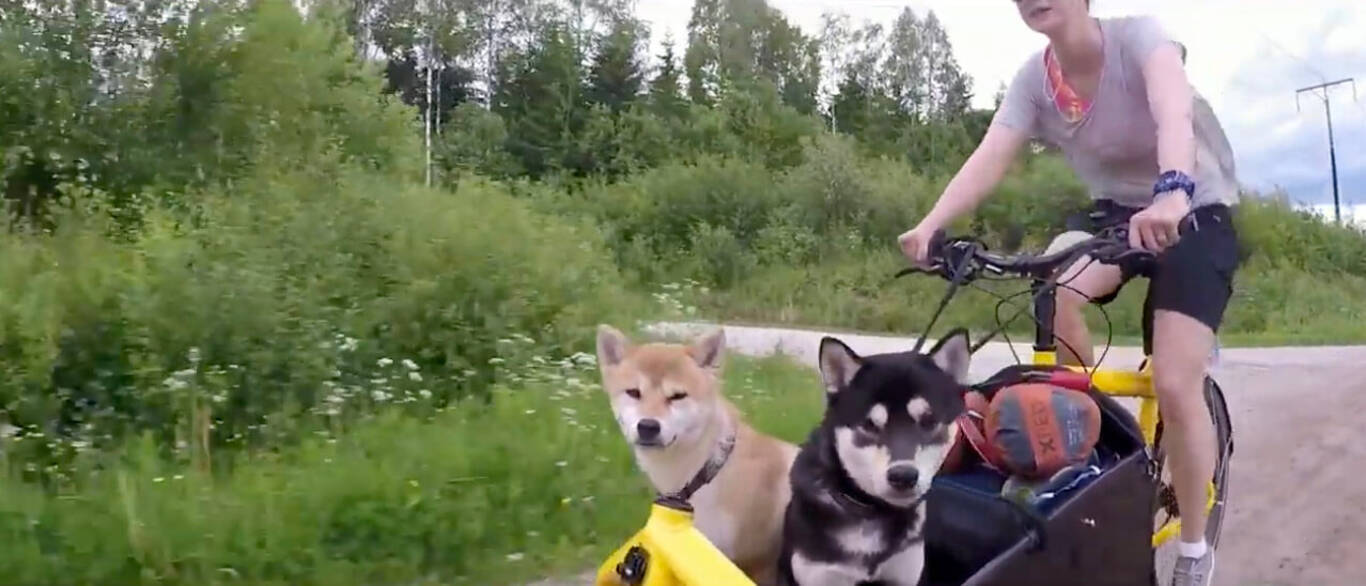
(962, 259)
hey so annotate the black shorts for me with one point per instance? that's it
(1194, 277)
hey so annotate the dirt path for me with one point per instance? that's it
(1297, 512)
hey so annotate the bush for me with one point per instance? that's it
(277, 301)
(1271, 229)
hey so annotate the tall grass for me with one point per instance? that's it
(232, 323)
(534, 482)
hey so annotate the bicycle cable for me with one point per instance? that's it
(1053, 283)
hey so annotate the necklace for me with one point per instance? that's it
(1071, 106)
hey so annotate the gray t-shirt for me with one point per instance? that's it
(1113, 149)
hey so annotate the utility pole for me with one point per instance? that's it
(1332, 149)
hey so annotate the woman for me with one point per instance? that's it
(1112, 94)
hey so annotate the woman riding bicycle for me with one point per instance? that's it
(1112, 94)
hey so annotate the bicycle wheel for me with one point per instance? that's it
(1166, 508)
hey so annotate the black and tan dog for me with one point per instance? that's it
(860, 481)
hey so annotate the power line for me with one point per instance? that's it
(1307, 64)
(1332, 149)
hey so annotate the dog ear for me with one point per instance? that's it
(838, 364)
(708, 349)
(953, 354)
(612, 346)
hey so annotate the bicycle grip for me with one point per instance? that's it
(935, 247)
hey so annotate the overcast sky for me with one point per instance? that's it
(1247, 57)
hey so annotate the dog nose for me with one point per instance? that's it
(903, 476)
(647, 429)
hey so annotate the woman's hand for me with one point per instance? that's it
(915, 244)
(1156, 228)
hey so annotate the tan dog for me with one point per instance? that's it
(667, 399)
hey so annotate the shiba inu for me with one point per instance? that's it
(668, 402)
(860, 481)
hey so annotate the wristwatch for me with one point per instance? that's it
(1173, 180)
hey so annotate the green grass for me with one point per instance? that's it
(536, 483)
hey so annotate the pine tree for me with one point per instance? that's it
(666, 97)
(540, 95)
(616, 76)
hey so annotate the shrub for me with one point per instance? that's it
(278, 300)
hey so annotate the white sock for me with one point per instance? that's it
(1194, 550)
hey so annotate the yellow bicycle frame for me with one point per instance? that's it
(670, 551)
(1131, 384)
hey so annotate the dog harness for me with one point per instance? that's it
(708, 472)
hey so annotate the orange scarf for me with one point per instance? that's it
(1071, 106)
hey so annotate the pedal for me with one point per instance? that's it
(632, 568)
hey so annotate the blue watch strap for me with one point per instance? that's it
(1173, 180)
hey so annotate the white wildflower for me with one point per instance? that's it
(425, 394)
(379, 396)
(385, 362)
(561, 464)
(415, 377)
(516, 557)
(409, 364)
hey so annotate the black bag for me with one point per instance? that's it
(1098, 533)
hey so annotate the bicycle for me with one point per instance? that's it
(962, 260)
(670, 551)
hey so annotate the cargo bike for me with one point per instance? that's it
(1114, 522)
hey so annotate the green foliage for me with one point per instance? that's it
(1279, 234)
(327, 103)
(537, 481)
(273, 298)
(474, 142)
(542, 99)
(666, 97)
(615, 78)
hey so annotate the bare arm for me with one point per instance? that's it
(978, 176)
(1171, 100)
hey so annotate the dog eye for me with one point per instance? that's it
(677, 397)
(633, 393)
(870, 426)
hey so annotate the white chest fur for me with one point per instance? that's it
(718, 524)
(902, 569)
